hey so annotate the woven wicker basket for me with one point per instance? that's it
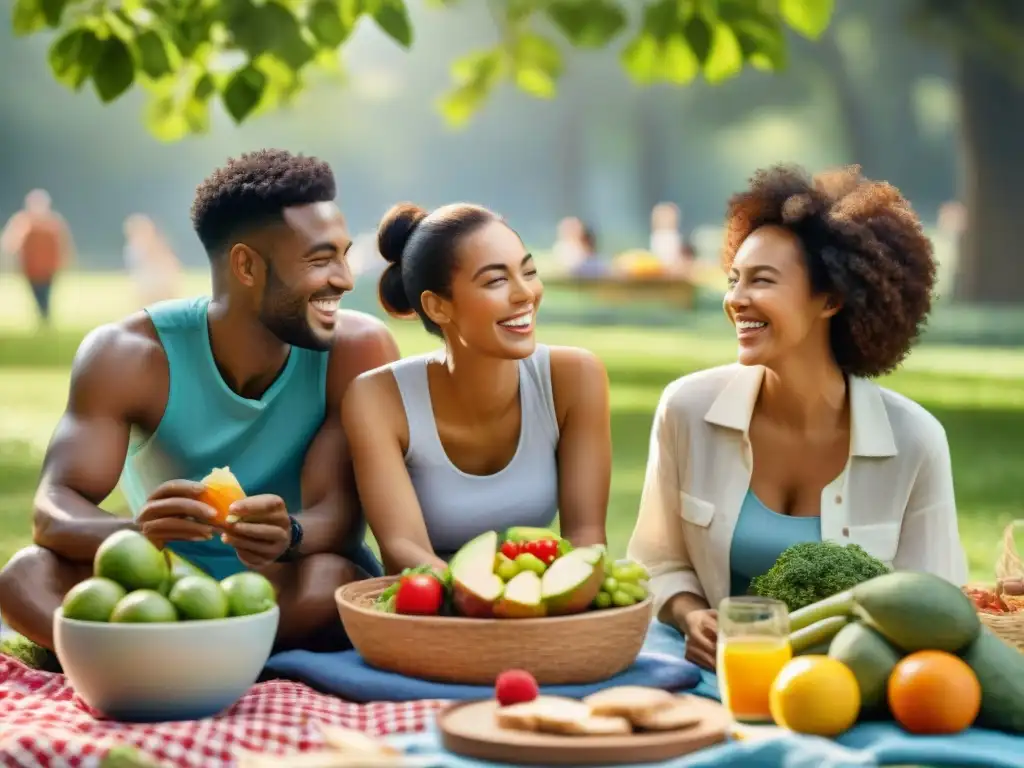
(1009, 626)
(558, 650)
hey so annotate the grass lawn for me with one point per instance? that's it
(978, 394)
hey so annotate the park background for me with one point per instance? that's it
(940, 116)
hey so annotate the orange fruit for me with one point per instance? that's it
(934, 692)
(222, 490)
(816, 695)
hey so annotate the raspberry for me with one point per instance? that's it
(515, 686)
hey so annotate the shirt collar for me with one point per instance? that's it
(871, 430)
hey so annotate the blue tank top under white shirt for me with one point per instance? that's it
(458, 506)
(760, 536)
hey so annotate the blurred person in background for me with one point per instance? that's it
(592, 266)
(39, 237)
(666, 242)
(150, 262)
(570, 249)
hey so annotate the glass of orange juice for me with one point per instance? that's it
(753, 645)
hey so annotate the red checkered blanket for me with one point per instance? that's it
(44, 724)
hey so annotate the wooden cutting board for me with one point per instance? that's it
(469, 729)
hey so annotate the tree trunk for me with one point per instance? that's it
(991, 268)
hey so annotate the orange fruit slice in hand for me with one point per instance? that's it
(222, 490)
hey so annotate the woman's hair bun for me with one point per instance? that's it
(393, 234)
(396, 228)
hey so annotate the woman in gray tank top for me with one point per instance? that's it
(494, 429)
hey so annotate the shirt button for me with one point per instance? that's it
(846, 532)
(839, 499)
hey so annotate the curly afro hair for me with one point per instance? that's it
(253, 190)
(863, 244)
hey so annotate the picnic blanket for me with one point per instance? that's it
(659, 665)
(871, 745)
(45, 725)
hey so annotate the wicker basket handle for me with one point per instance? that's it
(1009, 564)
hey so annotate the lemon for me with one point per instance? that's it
(815, 695)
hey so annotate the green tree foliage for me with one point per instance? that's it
(255, 55)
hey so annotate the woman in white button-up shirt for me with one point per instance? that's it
(830, 284)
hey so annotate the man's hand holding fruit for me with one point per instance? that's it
(176, 511)
(258, 527)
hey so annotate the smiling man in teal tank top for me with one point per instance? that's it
(251, 378)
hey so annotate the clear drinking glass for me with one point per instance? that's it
(753, 645)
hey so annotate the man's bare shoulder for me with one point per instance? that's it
(122, 360)
(362, 343)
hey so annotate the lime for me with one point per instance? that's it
(92, 600)
(198, 598)
(130, 559)
(249, 592)
(144, 606)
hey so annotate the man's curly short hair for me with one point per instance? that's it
(863, 244)
(253, 190)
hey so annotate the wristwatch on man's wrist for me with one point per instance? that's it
(296, 541)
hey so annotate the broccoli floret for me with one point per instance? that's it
(811, 571)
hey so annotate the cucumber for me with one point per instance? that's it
(913, 611)
(807, 638)
(999, 668)
(871, 658)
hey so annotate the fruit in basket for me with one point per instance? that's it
(522, 598)
(475, 585)
(132, 560)
(625, 584)
(525, 561)
(815, 695)
(143, 606)
(573, 581)
(913, 610)
(198, 598)
(505, 567)
(93, 599)
(933, 693)
(515, 686)
(568, 585)
(999, 668)
(222, 490)
(871, 658)
(419, 594)
(542, 542)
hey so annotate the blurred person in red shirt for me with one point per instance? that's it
(41, 240)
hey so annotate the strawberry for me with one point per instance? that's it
(515, 686)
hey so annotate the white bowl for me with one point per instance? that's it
(157, 672)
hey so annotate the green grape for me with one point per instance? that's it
(621, 599)
(610, 585)
(603, 600)
(635, 591)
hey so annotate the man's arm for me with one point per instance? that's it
(329, 498)
(115, 370)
